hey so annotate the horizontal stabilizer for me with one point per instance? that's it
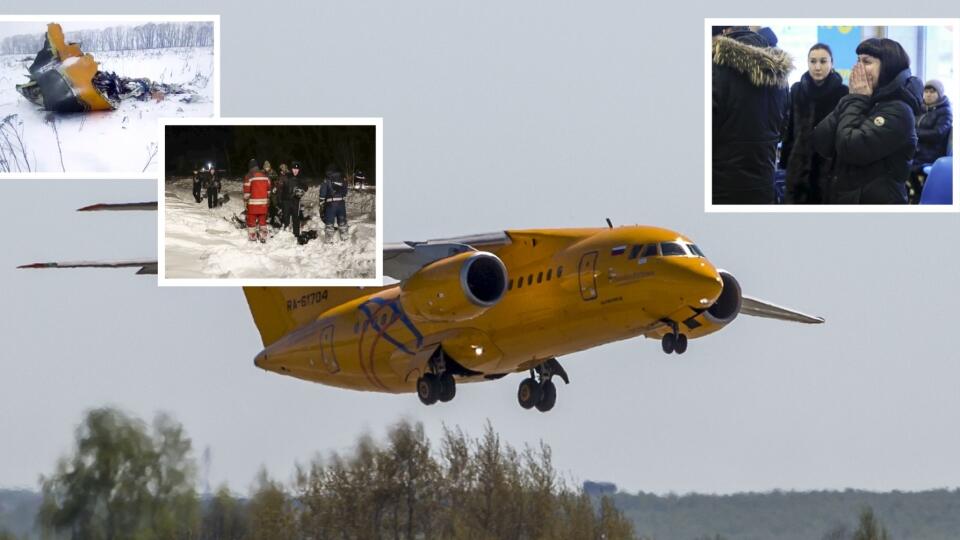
(119, 206)
(760, 308)
(146, 267)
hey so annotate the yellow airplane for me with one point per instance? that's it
(481, 307)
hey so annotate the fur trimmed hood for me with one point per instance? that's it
(765, 66)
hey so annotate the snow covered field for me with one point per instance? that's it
(120, 141)
(204, 243)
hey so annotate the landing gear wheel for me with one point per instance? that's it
(529, 393)
(548, 396)
(669, 343)
(681, 344)
(428, 389)
(448, 388)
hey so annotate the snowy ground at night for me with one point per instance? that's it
(205, 243)
(119, 141)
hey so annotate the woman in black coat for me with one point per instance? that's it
(872, 135)
(811, 100)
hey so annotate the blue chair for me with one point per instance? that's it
(938, 189)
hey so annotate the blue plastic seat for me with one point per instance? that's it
(938, 189)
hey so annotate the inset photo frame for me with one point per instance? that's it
(830, 115)
(271, 202)
(81, 95)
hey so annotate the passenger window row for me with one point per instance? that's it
(666, 249)
(541, 277)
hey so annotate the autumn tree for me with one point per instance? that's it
(123, 481)
(224, 517)
(270, 510)
(869, 527)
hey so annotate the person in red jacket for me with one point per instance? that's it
(256, 194)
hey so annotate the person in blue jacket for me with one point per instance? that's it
(333, 202)
(933, 131)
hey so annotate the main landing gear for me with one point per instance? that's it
(538, 390)
(432, 388)
(438, 383)
(674, 341)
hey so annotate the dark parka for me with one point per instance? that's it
(749, 109)
(933, 130)
(809, 104)
(292, 189)
(872, 140)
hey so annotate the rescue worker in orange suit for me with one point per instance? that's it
(256, 194)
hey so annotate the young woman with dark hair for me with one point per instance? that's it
(811, 100)
(871, 135)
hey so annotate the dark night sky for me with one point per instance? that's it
(231, 147)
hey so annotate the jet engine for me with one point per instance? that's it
(720, 314)
(456, 288)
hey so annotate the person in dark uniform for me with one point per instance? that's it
(212, 183)
(198, 185)
(291, 191)
(333, 194)
(273, 207)
(276, 192)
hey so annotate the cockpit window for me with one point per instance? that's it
(672, 248)
(695, 250)
(650, 250)
(635, 250)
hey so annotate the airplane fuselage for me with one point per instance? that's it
(568, 290)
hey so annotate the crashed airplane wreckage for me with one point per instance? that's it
(65, 79)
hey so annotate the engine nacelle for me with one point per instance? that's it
(720, 314)
(727, 307)
(456, 288)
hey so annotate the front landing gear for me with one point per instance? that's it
(538, 389)
(674, 342)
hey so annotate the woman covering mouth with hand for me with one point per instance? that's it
(811, 100)
(871, 135)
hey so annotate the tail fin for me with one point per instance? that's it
(277, 311)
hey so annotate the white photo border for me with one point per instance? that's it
(709, 207)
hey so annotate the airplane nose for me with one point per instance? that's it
(261, 360)
(702, 282)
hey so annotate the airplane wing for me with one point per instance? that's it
(119, 206)
(401, 260)
(146, 267)
(760, 308)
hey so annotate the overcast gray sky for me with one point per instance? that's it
(506, 115)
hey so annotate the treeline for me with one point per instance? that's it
(785, 515)
(118, 38)
(127, 480)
